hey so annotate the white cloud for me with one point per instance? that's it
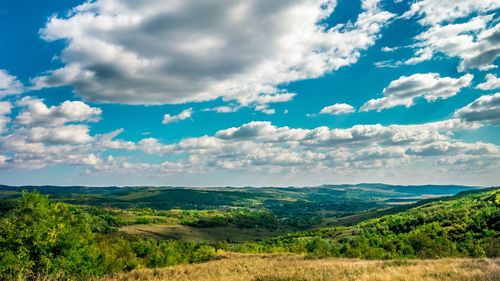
(269, 111)
(35, 148)
(470, 165)
(259, 103)
(9, 84)
(42, 136)
(484, 109)
(185, 114)
(152, 52)
(405, 89)
(387, 64)
(473, 41)
(69, 134)
(439, 11)
(388, 49)
(124, 166)
(491, 83)
(262, 147)
(223, 109)
(36, 113)
(358, 134)
(264, 108)
(153, 146)
(261, 129)
(253, 147)
(338, 108)
(445, 148)
(5, 109)
(107, 141)
(4, 161)
(256, 147)
(282, 97)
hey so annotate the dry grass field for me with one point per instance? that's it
(296, 268)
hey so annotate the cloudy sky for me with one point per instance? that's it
(250, 92)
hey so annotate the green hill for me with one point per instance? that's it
(466, 224)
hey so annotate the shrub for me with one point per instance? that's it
(40, 238)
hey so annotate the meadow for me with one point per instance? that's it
(237, 267)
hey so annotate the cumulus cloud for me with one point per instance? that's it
(35, 148)
(474, 42)
(430, 86)
(491, 83)
(258, 129)
(69, 134)
(257, 146)
(152, 52)
(9, 84)
(484, 109)
(185, 114)
(445, 148)
(45, 136)
(469, 164)
(5, 109)
(338, 108)
(36, 113)
(439, 11)
(260, 146)
(41, 136)
(152, 146)
(123, 165)
(356, 135)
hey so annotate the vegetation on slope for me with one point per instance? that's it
(40, 239)
(468, 225)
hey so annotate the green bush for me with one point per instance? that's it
(40, 239)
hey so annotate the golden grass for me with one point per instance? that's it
(296, 268)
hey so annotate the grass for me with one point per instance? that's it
(297, 268)
(211, 234)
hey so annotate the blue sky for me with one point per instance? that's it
(249, 93)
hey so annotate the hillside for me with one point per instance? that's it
(299, 207)
(467, 224)
(319, 198)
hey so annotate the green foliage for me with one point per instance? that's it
(43, 239)
(465, 226)
(39, 238)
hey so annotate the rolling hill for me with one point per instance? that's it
(467, 225)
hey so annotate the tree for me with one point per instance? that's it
(39, 238)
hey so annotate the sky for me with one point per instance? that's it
(249, 92)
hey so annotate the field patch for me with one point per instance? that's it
(188, 233)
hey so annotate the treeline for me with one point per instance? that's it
(247, 218)
(468, 226)
(239, 217)
(40, 239)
